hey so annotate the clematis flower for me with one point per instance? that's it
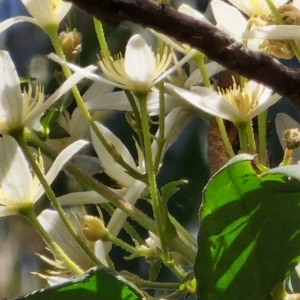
(19, 187)
(45, 14)
(138, 71)
(19, 110)
(255, 8)
(237, 104)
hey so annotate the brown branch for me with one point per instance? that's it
(208, 39)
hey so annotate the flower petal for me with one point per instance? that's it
(186, 9)
(111, 168)
(9, 22)
(206, 100)
(11, 99)
(88, 197)
(37, 111)
(15, 176)
(139, 61)
(274, 32)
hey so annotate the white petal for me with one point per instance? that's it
(88, 197)
(186, 9)
(15, 176)
(62, 9)
(85, 73)
(139, 61)
(53, 224)
(88, 164)
(40, 10)
(6, 211)
(97, 89)
(9, 22)
(111, 168)
(11, 100)
(67, 85)
(224, 15)
(212, 68)
(275, 32)
(59, 162)
(207, 100)
(264, 105)
(55, 280)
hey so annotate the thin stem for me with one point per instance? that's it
(251, 140)
(199, 59)
(91, 183)
(146, 284)
(175, 269)
(80, 103)
(54, 201)
(280, 21)
(242, 130)
(157, 209)
(120, 243)
(161, 138)
(262, 129)
(287, 158)
(29, 213)
(102, 41)
(224, 136)
(183, 231)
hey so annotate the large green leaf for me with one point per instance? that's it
(249, 238)
(97, 284)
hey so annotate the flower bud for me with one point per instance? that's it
(94, 229)
(291, 138)
(70, 43)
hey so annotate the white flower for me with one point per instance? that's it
(19, 110)
(45, 13)
(236, 104)
(19, 187)
(255, 7)
(138, 71)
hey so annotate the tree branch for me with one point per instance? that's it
(207, 39)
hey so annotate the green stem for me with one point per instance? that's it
(157, 209)
(199, 59)
(262, 147)
(161, 138)
(80, 103)
(224, 136)
(29, 213)
(242, 130)
(145, 284)
(54, 201)
(91, 183)
(287, 158)
(102, 41)
(175, 269)
(251, 140)
(280, 21)
(72, 19)
(120, 243)
(183, 231)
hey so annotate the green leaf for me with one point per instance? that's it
(171, 188)
(249, 238)
(98, 284)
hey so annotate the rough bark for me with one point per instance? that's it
(208, 39)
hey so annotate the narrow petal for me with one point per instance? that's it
(186, 9)
(9, 22)
(207, 100)
(88, 197)
(212, 68)
(53, 224)
(139, 61)
(66, 86)
(111, 168)
(264, 105)
(59, 162)
(62, 8)
(274, 32)
(6, 211)
(15, 176)
(85, 73)
(11, 99)
(97, 89)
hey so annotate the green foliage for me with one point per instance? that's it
(249, 238)
(97, 284)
